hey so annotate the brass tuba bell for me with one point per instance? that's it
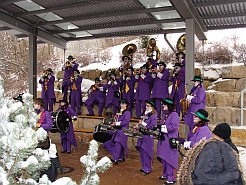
(129, 50)
(151, 48)
(181, 43)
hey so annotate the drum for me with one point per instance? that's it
(101, 134)
(61, 122)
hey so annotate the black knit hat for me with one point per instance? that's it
(223, 130)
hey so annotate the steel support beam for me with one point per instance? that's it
(25, 28)
(214, 3)
(228, 15)
(127, 34)
(187, 10)
(88, 17)
(32, 70)
(4, 2)
(117, 25)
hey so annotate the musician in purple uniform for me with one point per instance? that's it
(75, 89)
(68, 69)
(197, 100)
(180, 56)
(168, 128)
(151, 63)
(113, 95)
(199, 131)
(160, 88)
(48, 94)
(143, 89)
(126, 63)
(117, 146)
(178, 87)
(44, 117)
(97, 94)
(127, 87)
(68, 138)
(145, 145)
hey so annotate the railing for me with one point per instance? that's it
(242, 105)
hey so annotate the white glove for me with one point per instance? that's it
(137, 77)
(123, 78)
(189, 98)
(159, 75)
(164, 128)
(109, 82)
(42, 79)
(49, 76)
(144, 124)
(72, 64)
(187, 144)
(117, 123)
(153, 75)
(101, 88)
(128, 78)
(142, 76)
(115, 83)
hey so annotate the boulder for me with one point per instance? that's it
(240, 85)
(227, 85)
(59, 75)
(234, 72)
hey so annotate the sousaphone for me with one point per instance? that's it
(181, 43)
(129, 50)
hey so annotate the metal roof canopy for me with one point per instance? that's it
(57, 22)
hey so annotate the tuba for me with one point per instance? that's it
(151, 48)
(129, 50)
(181, 43)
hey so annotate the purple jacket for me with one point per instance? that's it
(160, 88)
(77, 82)
(50, 87)
(115, 87)
(198, 134)
(46, 118)
(143, 88)
(129, 96)
(198, 102)
(147, 142)
(68, 71)
(164, 151)
(119, 135)
(70, 133)
(96, 94)
(153, 64)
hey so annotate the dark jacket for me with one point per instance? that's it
(216, 165)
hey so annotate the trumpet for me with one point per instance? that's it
(94, 87)
(68, 63)
(45, 73)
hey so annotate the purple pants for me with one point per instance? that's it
(66, 145)
(65, 91)
(168, 171)
(48, 103)
(145, 160)
(140, 104)
(90, 107)
(76, 101)
(114, 148)
(158, 107)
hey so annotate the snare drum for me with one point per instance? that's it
(61, 121)
(101, 134)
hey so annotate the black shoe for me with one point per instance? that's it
(89, 114)
(168, 183)
(114, 161)
(147, 173)
(121, 160)
(63, 151)
(141, 170)
(68, 152)
(162, 178)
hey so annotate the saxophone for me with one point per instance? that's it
(184, 103)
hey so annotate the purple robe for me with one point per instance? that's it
(48, 93)
(129, 96)
(152, 65)
(198, 102)
(164, 151)
(160, 89)
(117, 146)
(111, 99)
(178, 89)
(143, 88)
(146, 144)
(76, 94)
(69, 135)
